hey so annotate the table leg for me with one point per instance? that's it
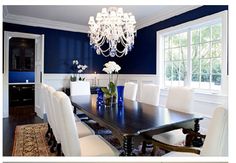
(193, 137)
(197, 141)
(128, 146)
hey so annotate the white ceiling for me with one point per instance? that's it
(79, 15)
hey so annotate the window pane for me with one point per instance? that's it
(183, 53)
(205, 78)
(168, 71)
(205, 50)
(195, 65)
(183, 70)
(205, 34)
(183, 39)
(168, 56)
(216, 79)
(195, 51)
(195, 80)
(205, 81)
(174, 41)
(216, 32)
(216, 66)
(205, 66)
(216, 49)
(175, 71)
(176, 54)
(196, 77)
(195, 36)
(166, 39)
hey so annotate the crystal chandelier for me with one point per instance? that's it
(113, 32)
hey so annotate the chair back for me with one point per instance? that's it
(68, 130)
(130, 91)
(180, 99)
(216, 142)
(53, 106)
(79, 88)
(46, 105)
(150, 94)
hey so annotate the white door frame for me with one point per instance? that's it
(7, 36)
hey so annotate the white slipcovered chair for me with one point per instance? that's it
(47, 109)
(85, 130)
(72, 145)
(130, 90)
(79, 88)
(179, 99)
(150, 94)
(216, 141)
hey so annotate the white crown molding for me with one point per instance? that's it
(157, 18)
(32, 21)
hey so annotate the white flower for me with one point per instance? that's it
(117, 68)
(112, 66)
(75, 62)
(107, 70)
(79, 66)
(84, 67)
(80, 71)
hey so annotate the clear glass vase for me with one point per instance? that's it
(109, 101)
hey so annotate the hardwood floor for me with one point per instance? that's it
(9, 125)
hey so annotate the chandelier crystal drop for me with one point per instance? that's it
(112, 34)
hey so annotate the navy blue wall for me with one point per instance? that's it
(61, 47)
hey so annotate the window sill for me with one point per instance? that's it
(199, 92)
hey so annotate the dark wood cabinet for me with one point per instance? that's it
(21, 95)
(21, 54)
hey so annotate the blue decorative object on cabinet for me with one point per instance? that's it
(120, 94)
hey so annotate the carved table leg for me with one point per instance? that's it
(193, 137)
(128, 146)
(197, 141)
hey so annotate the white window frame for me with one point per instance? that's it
(207, 20)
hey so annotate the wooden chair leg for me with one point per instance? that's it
(53, 147)
(59, 153)
(48, 131)
(144, 147)
(50, 141)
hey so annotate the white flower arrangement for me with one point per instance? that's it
(110, 68)
(78, 68)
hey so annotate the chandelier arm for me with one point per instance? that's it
(102, 41)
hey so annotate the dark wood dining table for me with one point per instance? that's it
(134, 118)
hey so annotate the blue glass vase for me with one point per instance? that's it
(100, 96)
(120, 94)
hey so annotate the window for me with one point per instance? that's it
(193, 55)
(175, 59)
(206, 57)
